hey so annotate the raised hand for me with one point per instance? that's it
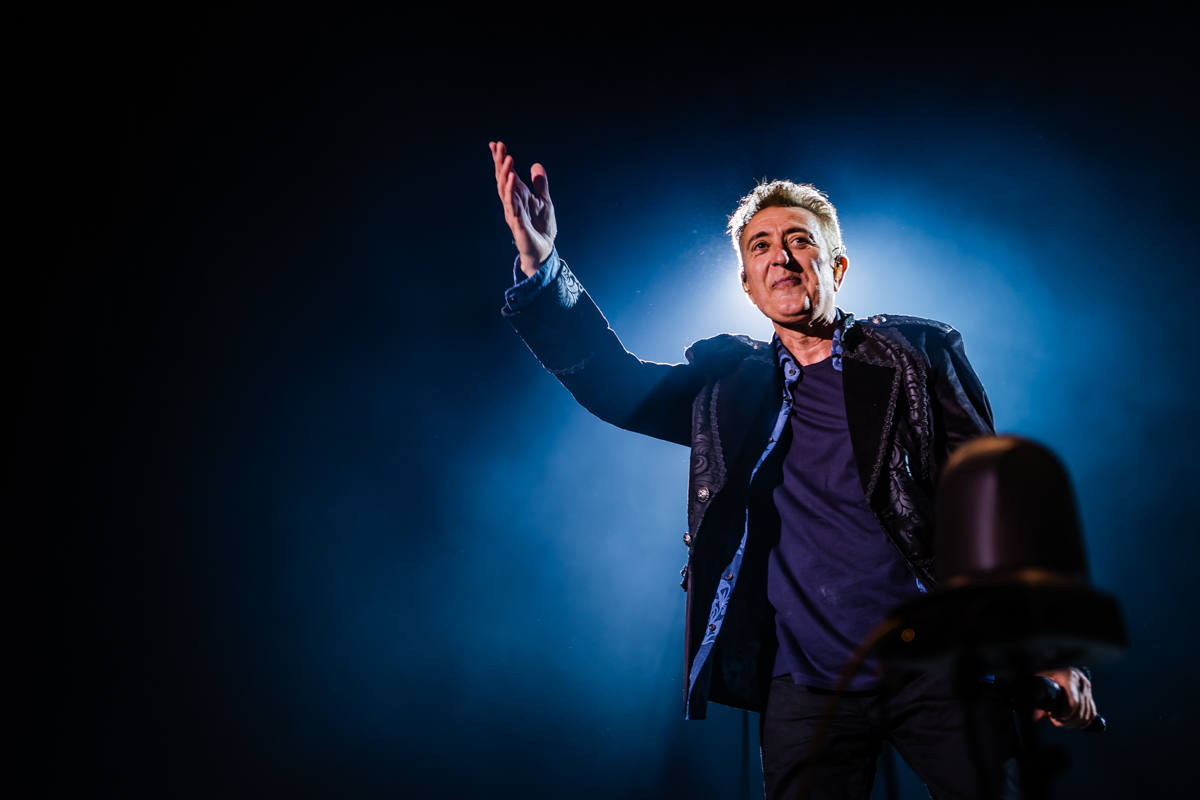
(528, 212)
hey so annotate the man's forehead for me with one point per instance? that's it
(775, 217)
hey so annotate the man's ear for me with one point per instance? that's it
(840, 265)
(742, 277)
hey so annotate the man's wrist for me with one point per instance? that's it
(530, 267)
(527, 286)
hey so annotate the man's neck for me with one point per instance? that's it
(807, 345)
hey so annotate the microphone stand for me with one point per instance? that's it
(1011, 629)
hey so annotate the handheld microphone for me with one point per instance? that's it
(1049, 696)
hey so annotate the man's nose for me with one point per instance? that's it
(782, 256)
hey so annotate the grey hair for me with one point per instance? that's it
(791, 195)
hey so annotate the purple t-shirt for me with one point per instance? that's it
(834, 574)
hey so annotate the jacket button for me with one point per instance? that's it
(703, 493)
(728, 576)
(687, 539)
(712, 627)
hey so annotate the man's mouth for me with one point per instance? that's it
(787, 281)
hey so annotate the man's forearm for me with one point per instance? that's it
(569, 335)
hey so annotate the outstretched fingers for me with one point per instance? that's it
(518, 199)
(506, 195)
(504, 178)
(497, 149)
(509, 186)
(502, 162)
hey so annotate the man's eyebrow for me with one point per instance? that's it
(793, 229)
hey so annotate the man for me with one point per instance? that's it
(814, 462)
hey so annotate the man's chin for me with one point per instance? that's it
(806, 321)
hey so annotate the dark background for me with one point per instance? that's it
(317, 524)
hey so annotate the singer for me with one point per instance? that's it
(814, 459)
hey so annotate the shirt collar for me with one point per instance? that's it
(787, 363)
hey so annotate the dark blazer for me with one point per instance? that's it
(911, 398)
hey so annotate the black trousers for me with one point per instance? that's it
(959, 749)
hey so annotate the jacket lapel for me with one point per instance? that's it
(753, 387)
(871, 388)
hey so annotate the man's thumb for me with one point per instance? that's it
(541, 186)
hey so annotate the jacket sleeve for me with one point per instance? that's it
(961, 410)
(571, 338)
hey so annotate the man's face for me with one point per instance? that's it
(787, 270)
